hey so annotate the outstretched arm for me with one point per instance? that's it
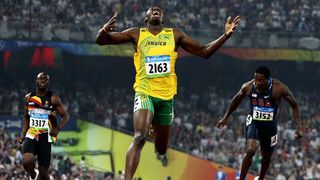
(235, 102)
(106, 34)
(207, 50)
(287, 94)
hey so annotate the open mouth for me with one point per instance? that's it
(156, 13)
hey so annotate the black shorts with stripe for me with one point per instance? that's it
(41, 149)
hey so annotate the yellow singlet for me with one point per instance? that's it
(154, 62)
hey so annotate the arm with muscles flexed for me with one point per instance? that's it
(235, 102)
(288, 96)
(56, 102)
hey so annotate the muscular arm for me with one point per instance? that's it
(106, 36)
(287, 94)
(194, 47)
(26, 119)
(125, 36)
(235, 102)
(237, 99)
(56, 102)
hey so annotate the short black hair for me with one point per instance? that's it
(263, 70)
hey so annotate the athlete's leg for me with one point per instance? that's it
(162, 122)
(29, 156)
(29, 163)
(44, 172)
(268, 142)
(44, 159)
(162, 136)
(252, 145)
(265, 163)
(141, 121)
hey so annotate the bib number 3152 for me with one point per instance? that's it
(263, 113)
(157, 66)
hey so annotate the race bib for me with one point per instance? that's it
(157, 66)
(263, 113)
(39, 121)
(274, 140)
(248, 120)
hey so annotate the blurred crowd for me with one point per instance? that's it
(62, 168)
(194, 132)
(89, 15)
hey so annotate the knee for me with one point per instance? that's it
(27, 161)
(250, 152)
(139, 138)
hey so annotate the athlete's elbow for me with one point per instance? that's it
(295, 106)
(202, 54)
(99, 41)
(205, 55)
(67, 117)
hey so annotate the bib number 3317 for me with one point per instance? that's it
(38, 123)
(157, 66)
(38, 120)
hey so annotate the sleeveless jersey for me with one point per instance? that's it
(263, 107)
(41, 115)
(154, 62)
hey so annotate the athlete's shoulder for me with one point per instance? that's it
(143, 29)
(248, 84)
(53, 95)
(277, 83)
(28, 95)
(55, 99)
(246, 87)
(177, 31)
(279, 86)
(178, 34)
(168, 30)
(131, 31)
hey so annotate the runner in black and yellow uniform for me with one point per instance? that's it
(40, 127)
(156, 81)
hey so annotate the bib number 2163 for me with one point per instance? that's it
(157, 66)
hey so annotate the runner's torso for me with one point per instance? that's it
(155, 64)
